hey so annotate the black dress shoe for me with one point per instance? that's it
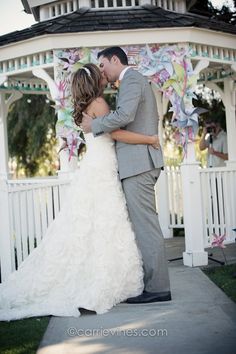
(147, 297)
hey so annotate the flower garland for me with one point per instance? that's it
(68, 62)
(169, 68)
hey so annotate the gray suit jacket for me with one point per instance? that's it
(136, 111)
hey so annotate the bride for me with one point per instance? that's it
(88, 257)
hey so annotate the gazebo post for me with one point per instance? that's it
(230, 107)
(3, 138)
(5, 235)
(66, 166)
(194, 254)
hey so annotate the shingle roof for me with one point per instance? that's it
(90, 20)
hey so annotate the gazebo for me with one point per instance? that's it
(30, 62)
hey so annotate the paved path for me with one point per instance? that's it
(200, 319)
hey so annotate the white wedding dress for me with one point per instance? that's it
(88, 257)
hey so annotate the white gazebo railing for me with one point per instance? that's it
(33, 204)
(218, 188)
(212, 206)
(24, 63)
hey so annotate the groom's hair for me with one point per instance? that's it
(111, 51)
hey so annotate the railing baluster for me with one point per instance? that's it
(172, 196)
(17, 227)
(49, 206)
(23, 221)
(31, 225)
(12, 232)
(37, 216)
(43, 210)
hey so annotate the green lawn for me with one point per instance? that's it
(22, 336)
(225, 278)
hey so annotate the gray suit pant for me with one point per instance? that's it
(140, 199)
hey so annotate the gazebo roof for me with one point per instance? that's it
(90, 20)
(37, 46)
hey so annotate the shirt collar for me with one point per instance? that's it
(123, 72)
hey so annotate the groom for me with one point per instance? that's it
(139, 166)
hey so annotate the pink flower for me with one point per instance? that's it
(218, 241)
(62, 86)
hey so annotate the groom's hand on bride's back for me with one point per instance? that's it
(86, 124)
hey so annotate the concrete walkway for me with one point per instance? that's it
(200, 319)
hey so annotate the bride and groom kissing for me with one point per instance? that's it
(102, 248)
(139, 166)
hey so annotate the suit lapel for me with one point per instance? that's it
(122, 82)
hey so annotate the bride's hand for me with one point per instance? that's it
(156, 142)
(86, 123)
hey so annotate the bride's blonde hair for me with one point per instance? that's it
(85, 87)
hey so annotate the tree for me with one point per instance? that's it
(205, 8)
(31, 135)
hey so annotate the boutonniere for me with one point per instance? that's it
(116, 85)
